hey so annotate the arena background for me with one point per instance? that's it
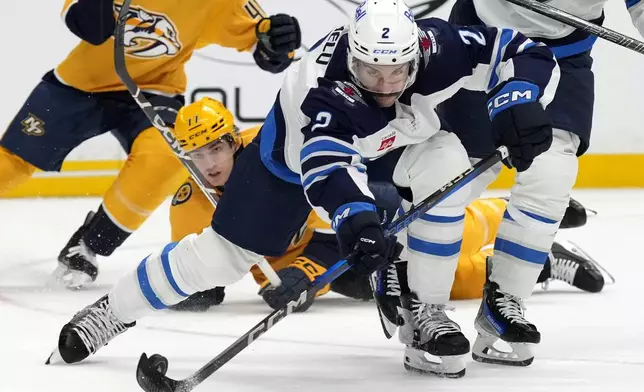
(615, 158)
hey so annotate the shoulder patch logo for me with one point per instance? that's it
(149, 34)
(33, 126)
(182, 195)
(349, 91)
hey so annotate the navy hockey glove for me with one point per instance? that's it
(278, 37)
(295, 279)
(362, 240)
(519, 121)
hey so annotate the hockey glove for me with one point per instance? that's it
(201, 301)
(278, 37)
(295, 279)
(519, 121)
(362, 240)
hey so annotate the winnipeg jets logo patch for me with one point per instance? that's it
(149, 34)
(428, 45)
(349, 91)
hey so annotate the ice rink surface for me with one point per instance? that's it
(590, 342)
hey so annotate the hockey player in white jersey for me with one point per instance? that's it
(360, 106)
(541, 193)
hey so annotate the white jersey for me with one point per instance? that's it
(505, 14)
(322, 132)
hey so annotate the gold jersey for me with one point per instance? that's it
(160, 37)
(191, 211)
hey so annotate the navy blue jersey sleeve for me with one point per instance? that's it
(92, 21)
(500, 60)
(334, 174)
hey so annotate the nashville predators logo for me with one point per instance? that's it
(182, 195)
(149, 35)
(33, 126)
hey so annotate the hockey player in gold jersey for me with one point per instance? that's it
(83, 97)
(313, 248)
(206, 131)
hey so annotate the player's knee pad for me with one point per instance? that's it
(13, 170)
(541, 194)
(483, 180)
(428, 166)
(434, 240)
(196, 263)
(151, 174)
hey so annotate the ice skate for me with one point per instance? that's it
(77, 265)
(88, 331)
(428, 331)
(568, 263)
(388, 285)
(501, 317)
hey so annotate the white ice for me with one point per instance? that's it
(591, 342)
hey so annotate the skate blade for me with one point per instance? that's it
(388, 328)
(522, 354)
(54, 357)
(452, 366)
(70, 279)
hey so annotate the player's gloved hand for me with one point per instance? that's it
(362, 240)
(519, 121)
(278, 36)
(295, 279)
(201, 301)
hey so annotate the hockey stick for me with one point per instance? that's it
(581, 24)
(161, 126)
(150, 372)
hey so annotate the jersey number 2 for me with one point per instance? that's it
(466, 35)
(385, 32)
(323, 119)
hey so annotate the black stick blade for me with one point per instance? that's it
(150, 374)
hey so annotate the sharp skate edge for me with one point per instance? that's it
(600, 267)
(54, 357)
(452, 366)
(71, 279)
(522, 354)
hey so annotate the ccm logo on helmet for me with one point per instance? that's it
(197, 134)
(385, 51)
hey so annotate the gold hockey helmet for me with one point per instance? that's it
(203, 122)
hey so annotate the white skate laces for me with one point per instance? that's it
(563, 269)
(98, 326)
(431, 318)
(83, 250)
(511, 308)
(393, 284)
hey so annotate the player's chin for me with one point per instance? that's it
(386, 101)
(217, 179)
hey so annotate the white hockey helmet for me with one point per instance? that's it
(383, 33)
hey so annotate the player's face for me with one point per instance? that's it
(388, 81)
(215, 161)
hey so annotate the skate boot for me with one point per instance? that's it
(89, 330)
(569, 264)
(501, 317)
(388, 284)
(201, 301)
(428, 330)
(77, 264)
